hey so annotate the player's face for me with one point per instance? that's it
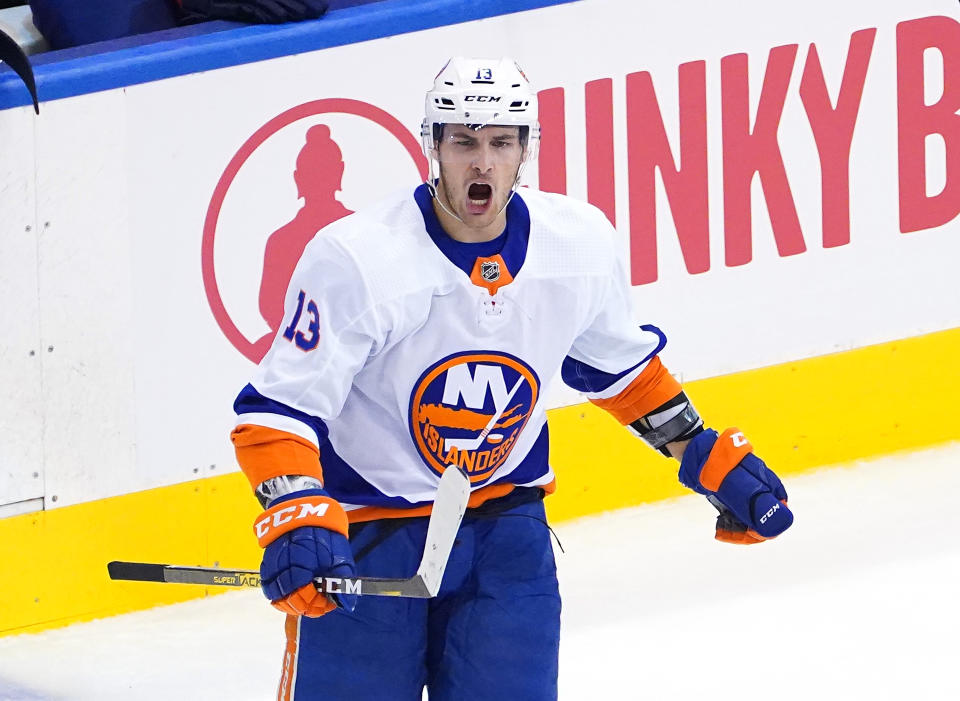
(478, 168)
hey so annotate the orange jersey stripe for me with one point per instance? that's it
(264, 453)
(652, 388)
(480, 496)
(727, 452)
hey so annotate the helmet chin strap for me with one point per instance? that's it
(436, 196)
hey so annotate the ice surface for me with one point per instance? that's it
(859, 600)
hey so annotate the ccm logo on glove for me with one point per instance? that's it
(285, 515)
(306, 511)
(763, 519)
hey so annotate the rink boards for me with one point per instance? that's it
(799, 416)
(787, 193)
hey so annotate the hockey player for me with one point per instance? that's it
(419, 334)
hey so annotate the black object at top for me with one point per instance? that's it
(13, 56)
(257, 11)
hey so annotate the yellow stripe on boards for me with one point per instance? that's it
(56, 569)
(821, 411)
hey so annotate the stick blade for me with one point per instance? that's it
(136, 571)
(448, 508)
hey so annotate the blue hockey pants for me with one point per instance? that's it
(491, 634)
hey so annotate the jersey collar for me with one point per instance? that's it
(511, 245)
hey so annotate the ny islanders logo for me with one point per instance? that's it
(469, 409)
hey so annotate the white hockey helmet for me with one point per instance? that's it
(482, 92)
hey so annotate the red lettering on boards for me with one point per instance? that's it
(686, 184)
(748, 151)
(833, 131)
(601, 176)
(750, 147)
(553, 141)
(917, 120)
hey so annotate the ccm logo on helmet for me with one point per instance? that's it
(282, 516)
(481, 98)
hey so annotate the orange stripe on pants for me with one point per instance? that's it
(288, 675)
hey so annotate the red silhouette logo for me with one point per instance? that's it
(318, 176)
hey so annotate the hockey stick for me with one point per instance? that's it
(474, 443)
(448, 508)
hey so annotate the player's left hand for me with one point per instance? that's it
(750, 497)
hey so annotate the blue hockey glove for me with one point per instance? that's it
(750, 497)
(304, 536)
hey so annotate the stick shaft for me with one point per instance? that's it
(218, 577)
(448, 509)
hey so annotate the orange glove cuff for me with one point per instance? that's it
(727, 452)
(324, 512)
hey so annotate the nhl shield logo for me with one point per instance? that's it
(490, 270)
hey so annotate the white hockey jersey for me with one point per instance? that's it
(403, 351)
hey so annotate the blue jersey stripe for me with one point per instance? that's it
(586, 378)
(346, 485)
(250, 401)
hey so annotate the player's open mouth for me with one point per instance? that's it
(478, 197)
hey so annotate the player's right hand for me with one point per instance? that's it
(304, 535)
